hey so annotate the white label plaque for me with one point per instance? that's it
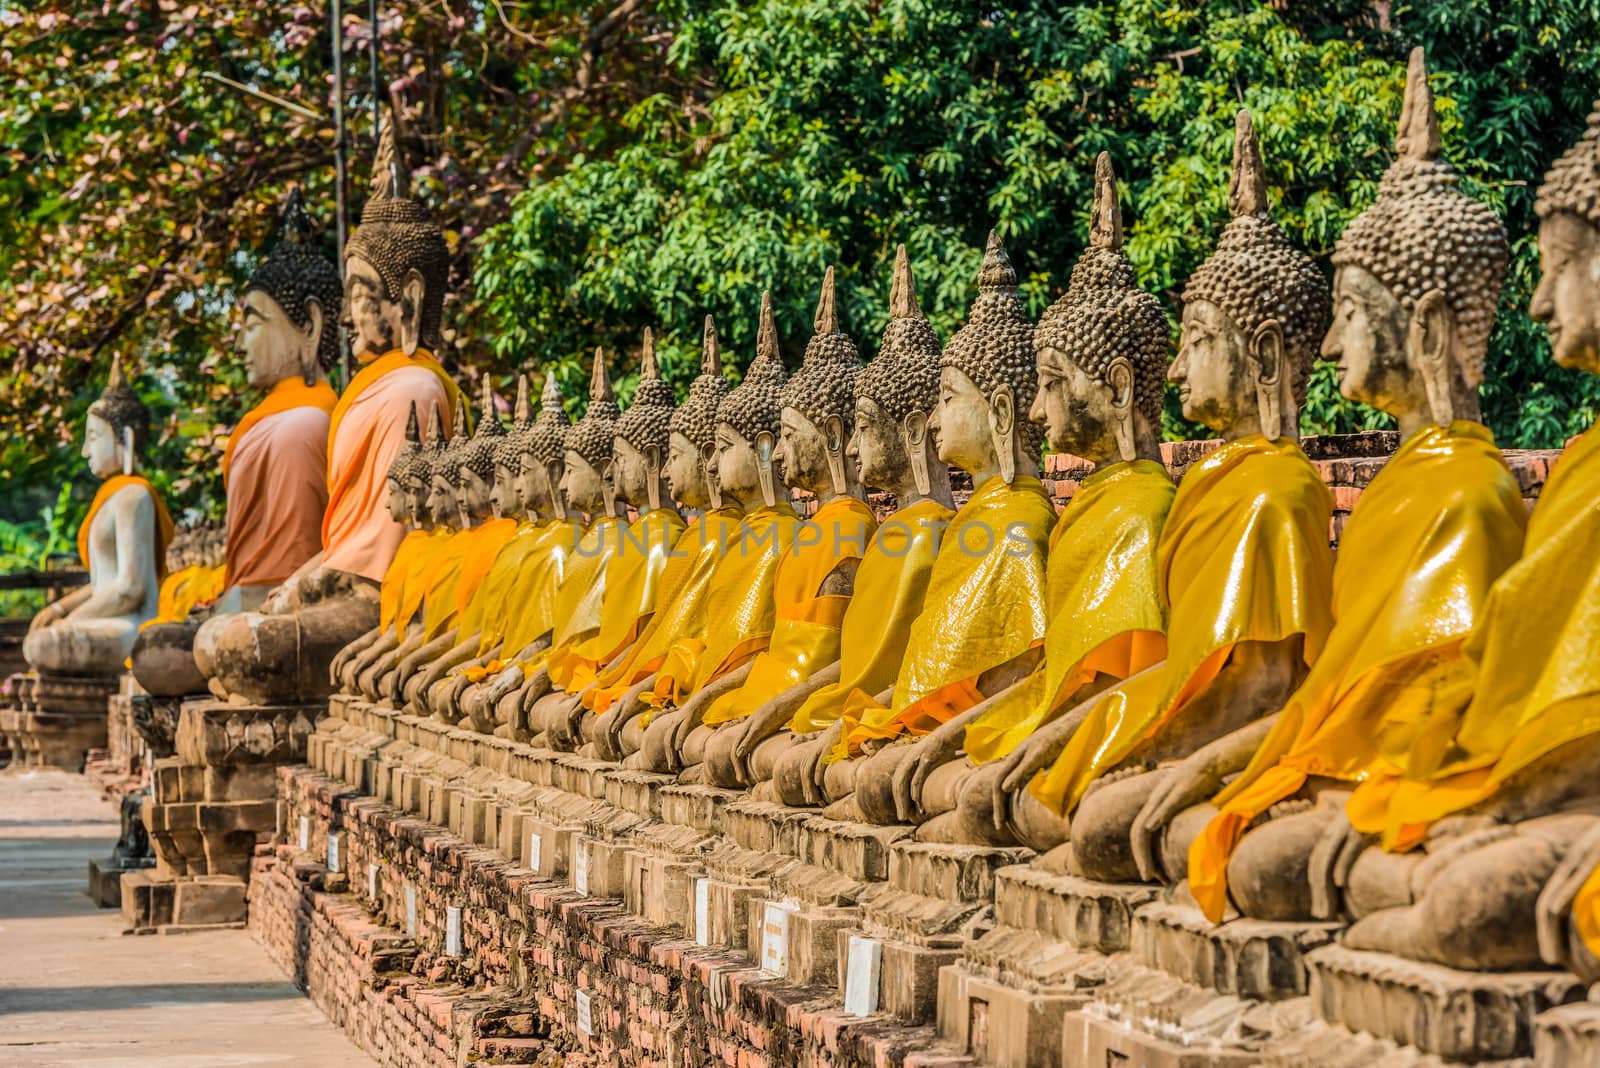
(333, 853)
(775, 938)
(305, 832)
(535, 850)
(372, 881)
(702, 911)
(452, 931)
(861, 976)
(580, 866)
(585, 1014)
(411, 910)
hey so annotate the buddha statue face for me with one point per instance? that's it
(1567, 298)
(101, 447)
(397, 501)
(503, 496)
(1367, 340)
(631, 473)
(967, 426)
(804, 450)
(378, 324)
(686, 473)
(736, 466)
(272, 346)
(443, 504)
(1221, 374)
(476, 493)
(417, 500)
(536, 484)
(1080, 414)
(583, 485)
(877, 446)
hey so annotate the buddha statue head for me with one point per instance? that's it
(818, 408)
(639, 453)
(1102, 348)
(475, 460)
(1252, 313)
(437, 462)
(396, 264)
(1416, 280)
(540, 448)
(895, 394)
(749, 420)
(403, 502)
(987, 380)
(586, 483)
(291, 307)
(117, 428)
(1567, 298)
(693, 430)
(503, 496)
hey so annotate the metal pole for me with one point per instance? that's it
(376, 62)
(336, 30)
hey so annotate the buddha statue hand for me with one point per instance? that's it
(694, 708)
(933, 751)
(1329, 866)
(1554, 915)
(628, 707)
(1018, 768)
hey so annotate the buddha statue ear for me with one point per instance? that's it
(1430, 337)
(127, 450)
(708, 472)
(552, 476)
(766, 444)
(412, 292)
(1265, 360)
(834, 441)
(608, 486)
(652, 472)
(914, 436)
(310, 342)
(1119, 376)
(1003, 429)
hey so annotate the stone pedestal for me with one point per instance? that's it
(54, 720)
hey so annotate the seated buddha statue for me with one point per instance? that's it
(740, 612)
(1102, 354)
(1243, 560)
(396, 266)
(618, 697)
(1429, 535)
(122, 543)
(814, 580)
(981, 624)
(893, 451)
(275, 465)
(1498, 784)
(644, 569)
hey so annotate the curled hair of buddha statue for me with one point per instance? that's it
(755, 406)
(547, 437)
(1573, 181)
(434, 457)
(994, 347)
(1256, 274)
(455, 452)
(406, 467)
(1422, 233)
(478, 451)
(121, 407)
(515, 441)
(825, 383)
(647, 423)
(591, 436)
(1104, 315)
(396, 236)
(904, 376)
(295, 274)
(696, 417)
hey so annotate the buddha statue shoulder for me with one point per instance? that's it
(981, 623)
(1243, 559)
(275, 465)
(1498, 785)
(396, 268)
(122, 543)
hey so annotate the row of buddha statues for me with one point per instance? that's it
(1163, 683)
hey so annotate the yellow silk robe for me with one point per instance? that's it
(984, 607)
(411, 586)
(1103, 595)
(530, 603)
(441, 580)
(1427, 538)
(806, 627)
(1244, 557)
(632, 582)
(680, 611)
(889, 589)
(394, 579)
(1533, 682)
(177, 596)
(739, 608)
(583, 588)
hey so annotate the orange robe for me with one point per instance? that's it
(366, 430)
(276, 472)
(160, 537)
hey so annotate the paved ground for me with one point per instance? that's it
(75, 991)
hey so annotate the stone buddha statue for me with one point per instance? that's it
(982, 618)
(275, 465)
(644, 567)
(619, 695)
(1498, 785)
(122, 543)
(814, 581)
(1102, 353)
(894, 396)
(740, 613)
(1429, 535)
(1243, 559)
(396, 267)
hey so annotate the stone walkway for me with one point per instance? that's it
(75, 991)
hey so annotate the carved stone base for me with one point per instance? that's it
(105, 879)
(54, 720)
(1456, 1015)
(1248, 958)
(151, 903)
(1080, 912)
(1566, 1036)
(1090, 1039)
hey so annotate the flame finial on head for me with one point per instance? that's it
(1105, 221)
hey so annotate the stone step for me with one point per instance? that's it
(1249, 958)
